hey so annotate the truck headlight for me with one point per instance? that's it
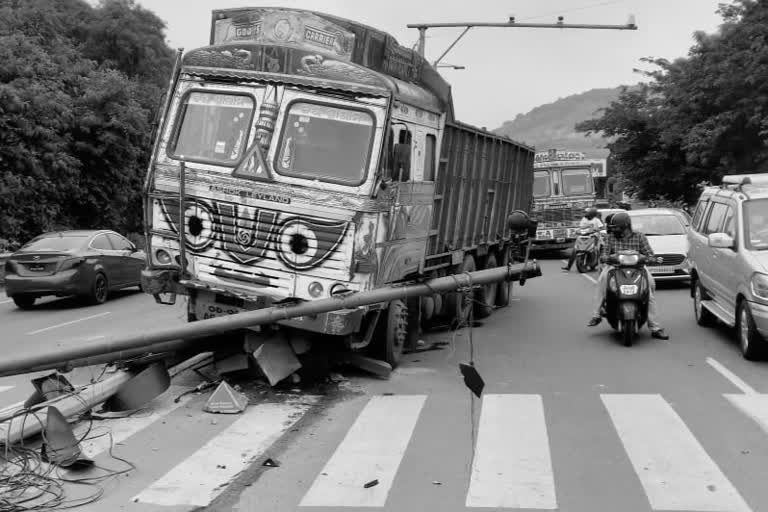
(760, 286)
(163, 257)
(315, 289)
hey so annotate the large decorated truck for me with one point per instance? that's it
(563, 188)
(303, 156)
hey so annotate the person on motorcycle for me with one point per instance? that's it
(591, 220)
(622, 238)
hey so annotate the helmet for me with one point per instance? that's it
(619, 222)
(590, 213)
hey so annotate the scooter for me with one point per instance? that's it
(587, 249)
(626, 299)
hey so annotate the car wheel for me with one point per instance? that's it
(750, 340)
(24, 301)
(702, 314)
(100, 289)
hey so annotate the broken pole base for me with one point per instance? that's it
(273, 355)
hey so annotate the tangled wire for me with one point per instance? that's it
(28, 482)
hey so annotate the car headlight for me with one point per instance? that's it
(760, 286)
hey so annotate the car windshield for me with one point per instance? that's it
(577, 181)
(55, 243)
(657, 225)
(541, 184)
(325, 143)
(213, 128)
(756, 224)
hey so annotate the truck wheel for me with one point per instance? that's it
(24, 301)
(504, 288)
(486, 295)
(750, 340)
(456, 307)
(392, 332)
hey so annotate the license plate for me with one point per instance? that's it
(543, 235)
(662, 270)
(37, 268)
(560, 233)
(207, 308)
(628, 289)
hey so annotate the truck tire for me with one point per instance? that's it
(456, 308)
(486, 295)
(391, 332)
(504, 288)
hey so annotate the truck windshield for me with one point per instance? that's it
(756, 224)
(577, 181)
(325, 143)
(541, 184)
(213, 127)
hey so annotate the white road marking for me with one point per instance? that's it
(674, 469)
(512, 466)
(5, 388)
(121, 428)
(70, 322)
(6, 301)
(754, 406)
(728, 374)
(371, 450)
(205, 474)
(589, 278)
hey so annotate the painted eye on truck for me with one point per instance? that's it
(303, 243)
(199, 221)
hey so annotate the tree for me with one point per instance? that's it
(699, 117)
(75, 119)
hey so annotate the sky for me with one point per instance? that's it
(508, 71)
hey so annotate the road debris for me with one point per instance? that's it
(370, 484)
(226, 400)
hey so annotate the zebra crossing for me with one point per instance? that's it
(511, 468)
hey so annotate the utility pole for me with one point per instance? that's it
(630, 25)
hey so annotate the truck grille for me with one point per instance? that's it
(565, 215)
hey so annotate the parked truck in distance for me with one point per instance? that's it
(302, 156)
(563, 188)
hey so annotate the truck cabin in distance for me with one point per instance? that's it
(314, 156)
(563, 188)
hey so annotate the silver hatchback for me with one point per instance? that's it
(729, 259)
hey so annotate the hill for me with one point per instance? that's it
(552, 125)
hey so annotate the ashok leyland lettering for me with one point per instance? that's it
(563, 188)
(302, 156)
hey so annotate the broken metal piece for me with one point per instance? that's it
(270, 463)
(149, 383)
(370, 484)
(60, 446)
(48, 387)
(274, 356)
(472, 379)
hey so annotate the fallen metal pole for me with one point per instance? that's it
(204, 328)
(30, 422)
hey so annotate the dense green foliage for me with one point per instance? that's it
(696, 118)
(553, 125)
(79, 87)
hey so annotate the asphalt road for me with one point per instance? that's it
(570, 419)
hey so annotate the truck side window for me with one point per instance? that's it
(429, 158)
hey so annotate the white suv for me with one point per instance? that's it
(728, 254)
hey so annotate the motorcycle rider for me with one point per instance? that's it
(591, 220)
(622, 238)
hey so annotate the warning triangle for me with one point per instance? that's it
(226, 400)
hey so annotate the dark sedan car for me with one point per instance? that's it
(86, 263)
